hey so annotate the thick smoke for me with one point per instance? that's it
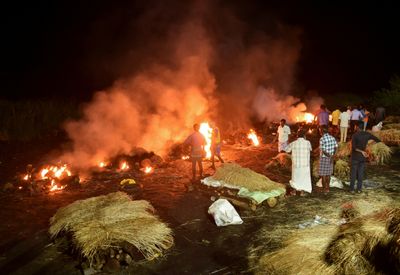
(206, 65)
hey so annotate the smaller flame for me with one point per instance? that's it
(55, 187)
(253, 136)
(19, 187)
(148, 169)
(185, 157)
(124, 166)
(305, 117)
(27, 177)
(310, 131)
(102, 164)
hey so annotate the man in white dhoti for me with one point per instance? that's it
(301, 173)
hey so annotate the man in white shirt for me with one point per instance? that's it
(301, 176)
(344, 125)
(283, 135)
(356, 116)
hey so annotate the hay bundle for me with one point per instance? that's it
(234, 174)
(342, 169)
(391, 136)
(379, 152)
(392, 119)
(344, 150)
(98, 223)
(391, 126)
(282, 160)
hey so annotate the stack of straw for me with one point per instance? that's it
(344, 150)
(379, 152)
(99, 223)
(342, 169)
(235, 175)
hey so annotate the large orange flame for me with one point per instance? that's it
(206, 131)
(305, 117)
(253, 136)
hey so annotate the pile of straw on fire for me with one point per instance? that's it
(112, 229)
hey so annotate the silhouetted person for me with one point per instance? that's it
(196, 141)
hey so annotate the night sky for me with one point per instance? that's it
(70, 49)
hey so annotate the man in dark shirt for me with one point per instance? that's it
(359, 142)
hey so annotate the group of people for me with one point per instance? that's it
(345, 121)
(301, 148)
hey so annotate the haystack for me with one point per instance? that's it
(281, 160)
(235, 175)
(315, 168)
(391, 126)
(379, 152)
(342, 170)
(344, 150)
(99, 223)
(389, 137)
(392, 119)
(328, 249)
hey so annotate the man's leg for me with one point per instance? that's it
(193, 169)
(212, 157)
(360, 175)
(341, 134)
(345, 133)
(200, 167)
(353, 174)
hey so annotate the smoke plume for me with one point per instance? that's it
(202, 63)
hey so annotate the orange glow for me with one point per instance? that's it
(56, 172)
(206, 131)
(102, 164)
(147, 169)
(185, 157)
(27, 177)
(55, 187)
(253, 136)
(305, 117)
(124, 166)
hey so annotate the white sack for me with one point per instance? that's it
(224, 213)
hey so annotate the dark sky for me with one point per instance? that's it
(73, 48)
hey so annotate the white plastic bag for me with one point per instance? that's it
(224, 213)
(377, 127)
(335, 182)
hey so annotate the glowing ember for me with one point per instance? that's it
(55, 187)
(124, 166)
(148, 169)
(185, 157)
(253, 136)
(55, 172)
(27, 177)
(310, 131)
(305, 117)
(102, 164)
(206, 131)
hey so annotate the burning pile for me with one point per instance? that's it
(112, 229)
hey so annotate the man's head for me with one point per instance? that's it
(283, 122)
(324, 130)
(301, 133)
(349, 108)
(196, 127)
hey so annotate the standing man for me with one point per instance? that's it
(301, 175)
(335, 121)
(283, 135)
(196, 141)
(356, 116)
(215, 146)
(359, 142)
(344, 125)
(380, 114)
(327, 147)
(322, 116)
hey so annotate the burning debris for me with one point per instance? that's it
(253, 137)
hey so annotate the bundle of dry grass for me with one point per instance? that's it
(390, 137)
(392, 119)
(379, 152)
(344, 150)
(99, 223)
(391, 126)
(281, 160)
(236, 175)
(342, 170)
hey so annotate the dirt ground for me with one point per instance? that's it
(200, 246)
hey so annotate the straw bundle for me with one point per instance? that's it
(281, 160)
(392, 119)
(391, 126)
(391, 136)
(379, 152)
(342, 170)
(344, 150)
(99, 223)
(234, 174)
